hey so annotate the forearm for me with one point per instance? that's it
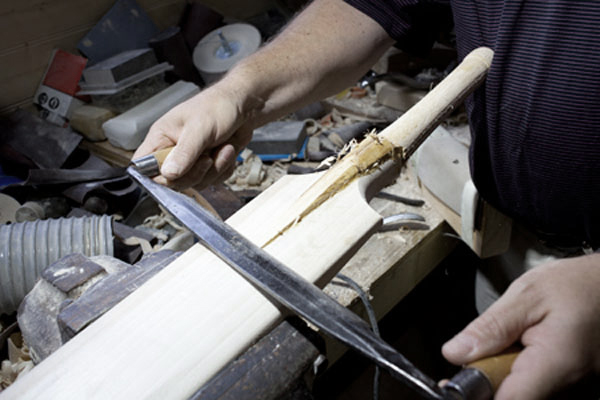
(324, 49)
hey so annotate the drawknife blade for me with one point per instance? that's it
(287, 287)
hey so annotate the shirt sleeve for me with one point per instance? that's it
(413, 24)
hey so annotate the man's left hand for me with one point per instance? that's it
(554, 310)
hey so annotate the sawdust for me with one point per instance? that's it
(18, 363)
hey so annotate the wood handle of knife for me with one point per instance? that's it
(161, 155)
(497, 367)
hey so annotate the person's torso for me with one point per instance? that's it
(536, 145)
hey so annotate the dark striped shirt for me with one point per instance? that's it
(536, 122)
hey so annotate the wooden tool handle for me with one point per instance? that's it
(480, 379)
(161, 155)
(497, 367)
(150, 164)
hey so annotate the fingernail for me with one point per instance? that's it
(460, 346)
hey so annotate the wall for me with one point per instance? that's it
(31, 29)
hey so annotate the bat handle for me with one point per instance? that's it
(480, 379)
(150, 165)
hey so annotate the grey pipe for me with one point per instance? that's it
(29, 247)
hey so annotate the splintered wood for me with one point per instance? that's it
(363, 159)
(401, 137)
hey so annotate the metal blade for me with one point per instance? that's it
(287, 287)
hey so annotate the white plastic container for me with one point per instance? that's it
(224, 47)
(129, 129)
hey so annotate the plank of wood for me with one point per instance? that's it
(111, 154)
(388, 266)
(196, 315)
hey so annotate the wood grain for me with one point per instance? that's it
(399, 140)
(180, 328)
(109, 153)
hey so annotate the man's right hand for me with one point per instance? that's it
(326, 48)
(207, 131)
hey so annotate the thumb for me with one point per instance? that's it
(497, 328)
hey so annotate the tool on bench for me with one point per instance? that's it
(403, 220)
(286, 287)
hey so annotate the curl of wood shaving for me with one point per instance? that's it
(373, 135)
(348, 147)
(327, 163)
(395, 153)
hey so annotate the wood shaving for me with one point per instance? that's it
(347, 148)
(373, 135)
(327, 163)
(18, 363)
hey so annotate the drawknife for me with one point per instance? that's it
(284, 286)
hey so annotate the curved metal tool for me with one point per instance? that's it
(287, 287)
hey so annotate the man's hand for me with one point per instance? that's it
(207, 131)
(554, 310)
(323, 50)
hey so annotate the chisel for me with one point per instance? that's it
(284, 286)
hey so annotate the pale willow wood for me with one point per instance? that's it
(400, 139)
(174, 333)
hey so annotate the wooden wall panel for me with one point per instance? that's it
(32, 29)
